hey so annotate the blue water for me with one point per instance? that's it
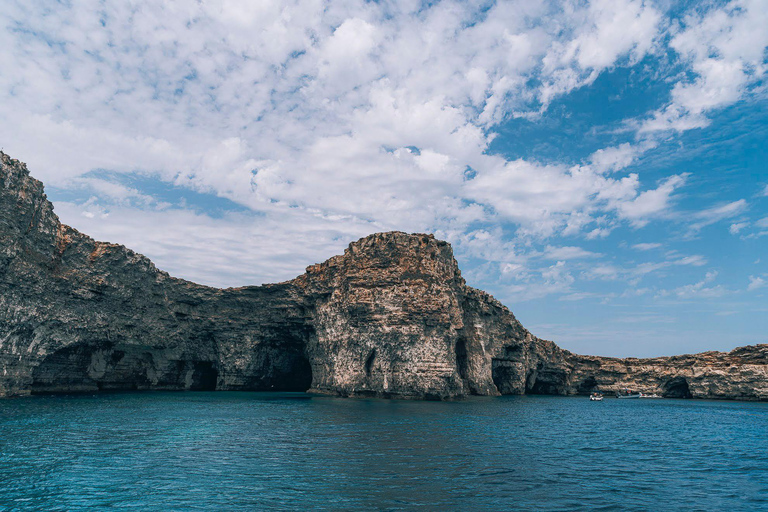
(251, 451)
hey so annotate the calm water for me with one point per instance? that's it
(230, 451)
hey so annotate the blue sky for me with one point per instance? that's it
(600, 167)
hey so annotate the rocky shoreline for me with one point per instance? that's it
(391, 317)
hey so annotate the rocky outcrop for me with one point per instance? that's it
(81, 315)
(391, 317)
(741, 374)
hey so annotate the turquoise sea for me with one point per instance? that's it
(258, 451)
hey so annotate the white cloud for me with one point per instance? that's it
(235, 250)
(646, 246)
(572, 297)
(614, 158)
(736, 227)
(725, 48)
(715, 214)
(329, 121)
(603, 32)
(651, 203)
(568, 253)
(633, 274)
(313, 107)
(756, 282)
(603, 271)
(635, 292)
(696, 260)
(698, 290)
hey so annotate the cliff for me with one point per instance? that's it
(391, 317)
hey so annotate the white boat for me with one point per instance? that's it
(596, 397)
(645, 395)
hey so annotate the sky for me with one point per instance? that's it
(599, 167)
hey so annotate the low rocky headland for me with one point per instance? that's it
(391, 317)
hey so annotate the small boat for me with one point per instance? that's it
(654, 395)
(596, 397)
(627, 394)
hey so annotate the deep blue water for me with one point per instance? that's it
(251, 451)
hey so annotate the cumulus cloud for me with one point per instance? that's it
(650, 203)
(326, 122)
(603, 32)
(756, 282)
(737, 227)
(615, 158)
(228, 251)
(317, 109)
(724, 47)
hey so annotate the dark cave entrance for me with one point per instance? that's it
(587, 386)
(462, 358)
(90, 368)
(64, 371)
(546, 381)
(676, 388)
(291, 373)
(204, 376)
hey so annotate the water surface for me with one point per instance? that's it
(248, 451)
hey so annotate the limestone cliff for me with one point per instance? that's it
(390, 317)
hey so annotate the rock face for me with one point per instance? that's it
(391, 317)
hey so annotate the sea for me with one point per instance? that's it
(292, 451)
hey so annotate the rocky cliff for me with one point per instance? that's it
(391, 317)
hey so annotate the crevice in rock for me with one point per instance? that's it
(369, 362)
(504, 374)
(461, 358)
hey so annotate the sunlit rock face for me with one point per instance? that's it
(391, 317)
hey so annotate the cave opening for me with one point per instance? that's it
(587, 386)
(461, 357)
(546, 381)
(204, 376)
(299, 377)
(676, 388)
(64, 371)
(89, 368)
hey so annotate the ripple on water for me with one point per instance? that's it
(257, 450)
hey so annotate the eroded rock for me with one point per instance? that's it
(391, 317)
